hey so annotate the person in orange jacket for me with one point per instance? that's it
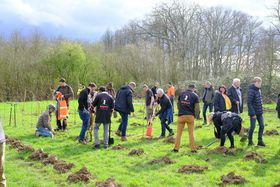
(171, 93)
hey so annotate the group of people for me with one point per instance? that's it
(98, 106)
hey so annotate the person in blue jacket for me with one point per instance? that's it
(124, 105)
(255, 111)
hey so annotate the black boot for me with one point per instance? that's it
(260, 143)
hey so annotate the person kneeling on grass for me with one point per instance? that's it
(104, 104)
(165, 113)
(44, 123)
(226, 123)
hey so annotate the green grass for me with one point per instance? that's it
(132, 171)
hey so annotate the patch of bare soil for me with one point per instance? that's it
(207, 159)
(164, 159)
(110, 182)
(51, 160)
(277, 185)
(18, 145)
(192, 169)
(255, 156)
(169, 139)
(272, 132)
(62, 167)
(232, 178)
(83, 175)
(224, 151)
(246, 130)
(118, 147)
(136, 152)
(38, 155)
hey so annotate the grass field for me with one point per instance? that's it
(133, 171)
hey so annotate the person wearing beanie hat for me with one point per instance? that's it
(43, 127)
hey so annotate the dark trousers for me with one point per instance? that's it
(123, 125)
(205, 106)
(229, 125)
(164, 126)
(84, 115)
(253, 125)
(63, 126)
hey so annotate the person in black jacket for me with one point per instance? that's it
(255, 111)
(188, 110)
(104, 104)
(226, 123)
(124, 105)
(84, 111)
(154, 90)
(165, 113)
(208, 98)
(236, 97)
(278, 106)
(221, 100)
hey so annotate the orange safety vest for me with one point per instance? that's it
(171, 91)
(62, 109)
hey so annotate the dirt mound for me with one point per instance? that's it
(192, 169)
(164, 159)
(118, 147)
(232, 178)
(110, 182)
(18, 145)
(136, 152)
(51, 160)
(62, 167)
(277, 185)
(272, 132)
(38, 155)
(82, 175)
(255, 156)
(169, 139)
(135, 124)
(224, 151)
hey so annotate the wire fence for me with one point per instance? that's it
(27, 113)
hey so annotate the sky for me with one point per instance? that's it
(88, 19)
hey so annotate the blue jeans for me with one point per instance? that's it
(164, 125)
(44, 132)
(123, 125)
(84, 115)
(253, 125)
(205, 106)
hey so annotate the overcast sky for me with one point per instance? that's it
(89, 19)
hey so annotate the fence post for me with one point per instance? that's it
(11, 110)
(15, 115)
